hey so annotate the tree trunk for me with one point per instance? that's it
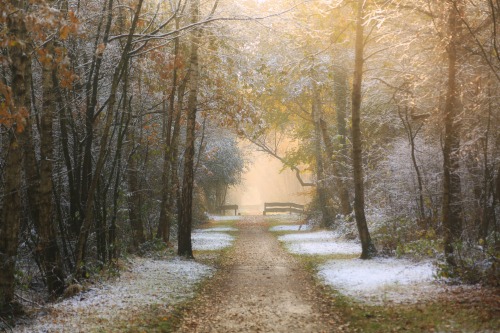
(175, 188)
(340, 99)
(134, 197)
(49, 250)
(92, 88)
(165, 220)
(412, 134)
(11, 212)
(186, 213)
(368, 249)
(452, 206)
(321, 189)
(89, 210)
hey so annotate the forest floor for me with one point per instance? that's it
(272, 274)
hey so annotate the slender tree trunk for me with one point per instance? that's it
(452, 206)
(340, 98)
(412, 134)
(92, 88)
(134, 197)
(165, 220)
(175, 188)
(89, 210)
(488, 206)
(185, 221)
(321, 189)
(11, 212)
(368, 249)
(50, 255)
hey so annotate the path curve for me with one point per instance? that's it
(260, 288)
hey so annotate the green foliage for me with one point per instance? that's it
(420, 248)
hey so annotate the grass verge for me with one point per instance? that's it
(466, 310)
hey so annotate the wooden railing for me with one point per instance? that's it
(222, 209)
(283, 207)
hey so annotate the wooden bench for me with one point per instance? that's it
(283, 207)
(222, 209)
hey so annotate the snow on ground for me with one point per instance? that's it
(373, 281)
(149, 283)
(381, 280)
(206, 241)
(216, 229)
(324, 248)
(319, 243)
(291, 227)
(286, 217)
(310, 236)
(224, 218)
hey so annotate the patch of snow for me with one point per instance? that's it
(290, 227)
(149, 283)
(224, 218)
(324, 248)
(216, 229)
(207, 241)
(286, 217)
(310, 236)
(380, 280)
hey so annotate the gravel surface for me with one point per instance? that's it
(260, 288)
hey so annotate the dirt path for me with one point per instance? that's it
(260, 288)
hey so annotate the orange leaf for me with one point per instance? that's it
(64, 33)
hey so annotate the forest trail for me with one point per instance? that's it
(260, 288)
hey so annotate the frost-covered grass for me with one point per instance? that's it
(116, 306)
(324, 248)
(290, 227)
(210, 241)
(319, 243)
(225, 218)
(285, 217)
(216, 229)
(309, 236)
(380, 280)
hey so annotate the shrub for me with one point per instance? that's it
(475, 262)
